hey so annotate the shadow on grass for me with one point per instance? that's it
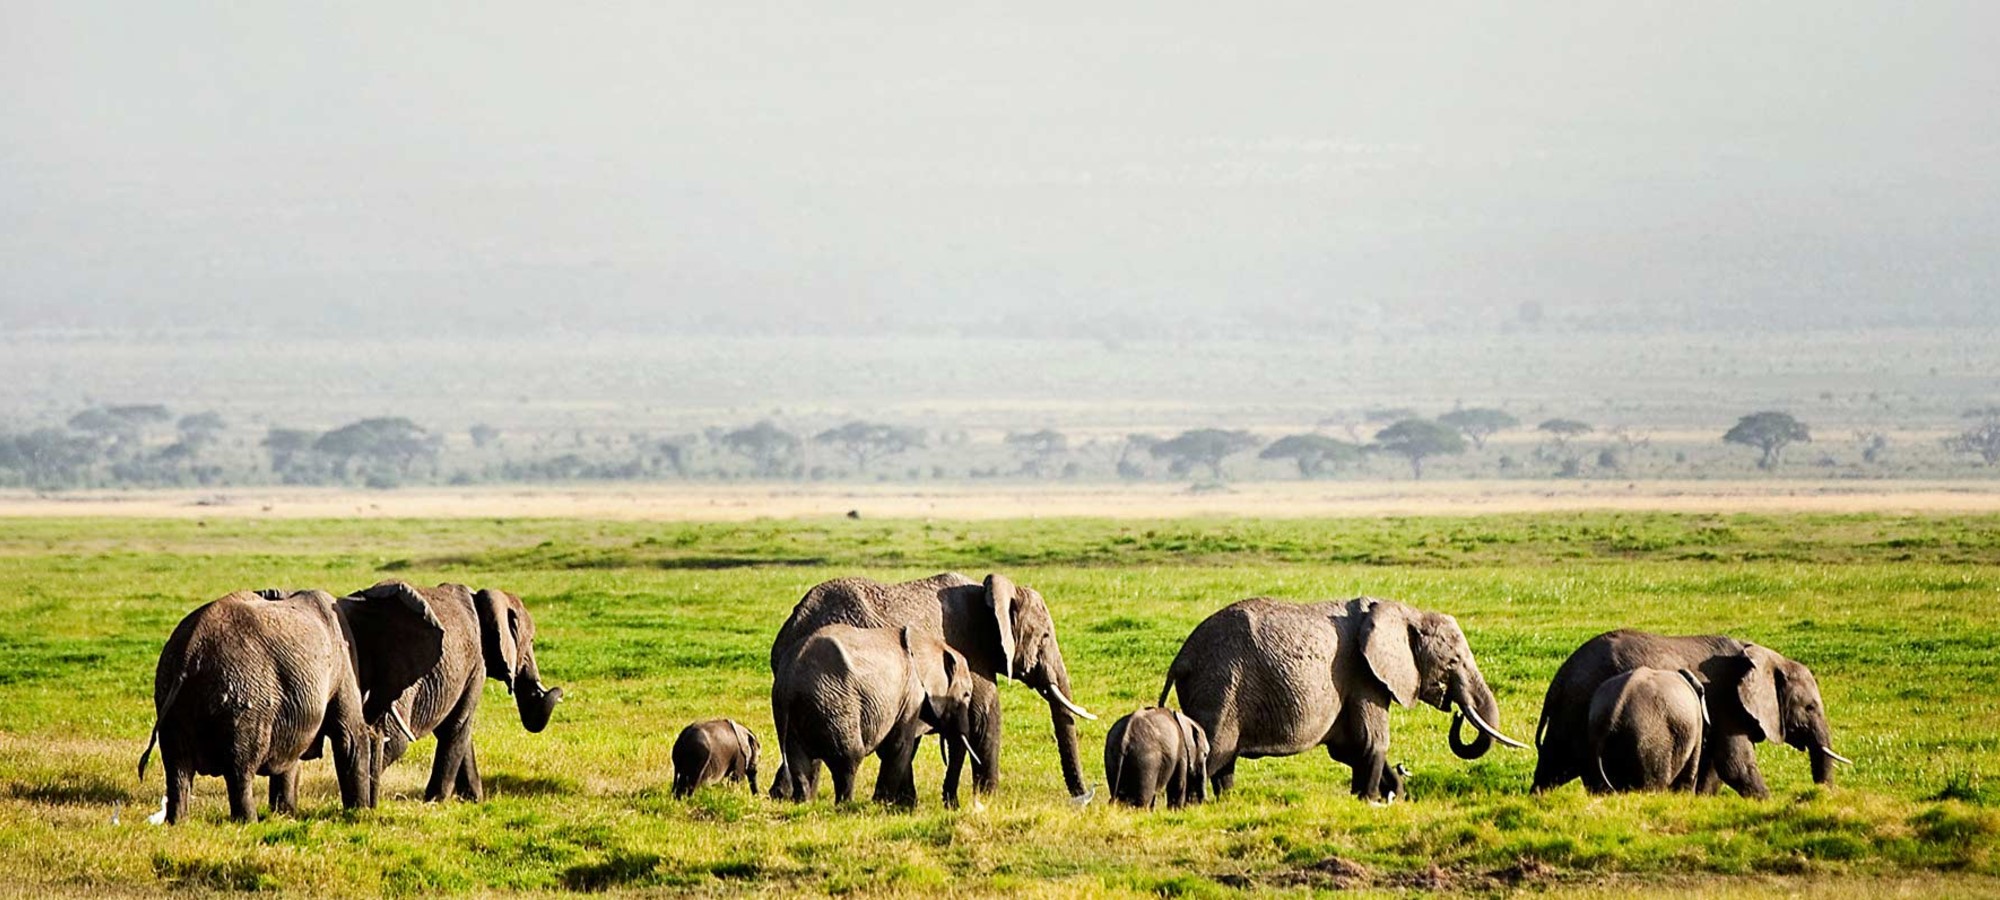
(508, 785)
(73, 789)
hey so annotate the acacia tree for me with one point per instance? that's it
(1134, 443)
(1983, 438)
(1039, 447)
(1202, 447)
(868, 442)
(1417, 440)
(770, 448)
(388, 448)
(1561, 432)
(1314, 453)
(1478, 424)
(1770, 433)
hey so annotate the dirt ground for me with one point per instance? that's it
(678, 502)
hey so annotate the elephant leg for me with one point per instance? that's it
(180, 781)
(242, 793)
(285, 792)
(1176, 784)
(803, 775)
(897, 783)
(842, 770)
(1221, 758)
(1736, 765)
(985, 737)
(1360, 738)
(467, 785)
(1223, 777)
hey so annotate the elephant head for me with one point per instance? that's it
(1194, 757)
(943, 681)
(752, 751)
(1423, 656)
(507, 640)
(1777, 699)
(1029, 654)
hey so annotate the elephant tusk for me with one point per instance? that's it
(1835, 756)
(968, 750)
(1490, 731)
(1056, 694)
(403, 727)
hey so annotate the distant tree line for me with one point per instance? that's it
(148, 445)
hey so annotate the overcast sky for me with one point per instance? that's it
(599, 166)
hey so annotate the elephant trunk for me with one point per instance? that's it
(1065, 728)
(1820, 749)
(1472, 695)
(535, 702)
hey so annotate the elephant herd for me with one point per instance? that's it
(253, 683)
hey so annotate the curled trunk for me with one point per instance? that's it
(1473, 694)
(534, 702)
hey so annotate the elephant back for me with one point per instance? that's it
(1267, 664)
(864, 603)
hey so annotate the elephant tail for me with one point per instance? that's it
(146, 756)
(1174, 673)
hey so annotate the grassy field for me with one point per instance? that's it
(649, 626)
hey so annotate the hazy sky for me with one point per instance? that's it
(591, 165)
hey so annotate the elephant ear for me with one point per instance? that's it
(926, 706)
(397, 642)
(499, 634)
(1700, 694)
(746, 741)
(1000, 603)
(1387, 644)
(1757, 691)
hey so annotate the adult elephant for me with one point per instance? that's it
(1001, 628)
(487, 633)
(247, 683)
(1753, 694)
(1272, 678)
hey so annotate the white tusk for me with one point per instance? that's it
(968, 750)
(1835, 756)
(1491, 732)
(396, 716)
(159, 818)
(1056, 694)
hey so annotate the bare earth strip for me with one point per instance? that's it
(788, 501)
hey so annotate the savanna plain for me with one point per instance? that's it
(650, 625)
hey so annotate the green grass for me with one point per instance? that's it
(650, 626)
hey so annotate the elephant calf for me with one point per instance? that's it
(1647, 727)
(848, 692)
(714, 750)
(1153, 751)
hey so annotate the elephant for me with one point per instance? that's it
(1153, 751)
(1269, 677)
(848, 692)
(715, 750)
(1001, 628)
(487, 633)
(248, 682)
(1750, 692)
(1648, 725)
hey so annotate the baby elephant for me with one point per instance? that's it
(1152, 751)
(714, 750)
(1646, 730)
(848, 692)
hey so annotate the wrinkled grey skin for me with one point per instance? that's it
(486, 634)
(246, 684)
(1156, 751)
(1646, 730)
(848, 692)
(1271, 678)
(712, 751)
(1001, 628)
(1752, 693)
